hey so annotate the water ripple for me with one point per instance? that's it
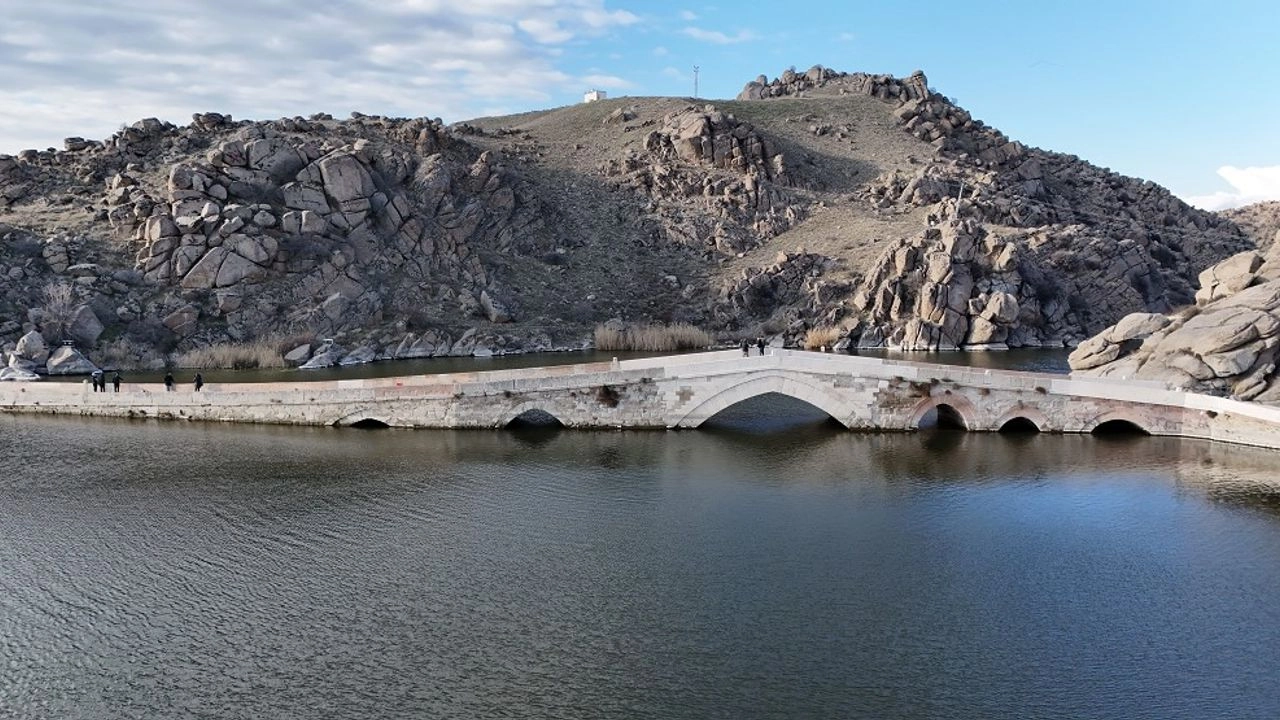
(154, 570)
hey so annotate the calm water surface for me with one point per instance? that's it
(767, 568)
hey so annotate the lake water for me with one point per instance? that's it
(769, 567)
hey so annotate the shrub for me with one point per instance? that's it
(820, 337)
(652, 338)
(607, 396)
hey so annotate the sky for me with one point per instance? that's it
(1182, 92)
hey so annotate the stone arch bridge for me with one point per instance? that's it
(683, 391)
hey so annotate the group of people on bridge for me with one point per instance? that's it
(99, 380)
(197, 382)
(746, 346)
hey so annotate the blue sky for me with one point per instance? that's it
(1182, 93)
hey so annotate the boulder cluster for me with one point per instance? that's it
(792, 83)
(1227, 344)
(708, 160)
(32, 357)
(296, 223)
(793, 282)
(959, 286)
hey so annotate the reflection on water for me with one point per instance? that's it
(772, 566)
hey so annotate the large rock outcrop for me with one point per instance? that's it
(792, 83)
(1076, 246)
(729, 174)
(1227, 344)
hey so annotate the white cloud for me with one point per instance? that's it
(607, 82)
(1249, 185)
(660, 51)
(674, 73)
(717, 37)
(688, 15)
(86, 68)
(545, 30)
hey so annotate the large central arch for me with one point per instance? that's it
(825, 399)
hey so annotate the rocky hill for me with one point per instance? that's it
(864, 203)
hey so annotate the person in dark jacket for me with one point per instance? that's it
(760, 344)
(168, 381)
(115, 381)
(199, 382)
(746, 347)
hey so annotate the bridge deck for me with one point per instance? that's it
(682, 391)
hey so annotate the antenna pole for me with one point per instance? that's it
(695, 81)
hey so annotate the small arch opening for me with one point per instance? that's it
(1119, 428)
(369, 424)
(535, 418)
(942, 417)
(1020, 426)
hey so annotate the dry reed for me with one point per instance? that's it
(820, 337)
(652, 338)
(263, 353)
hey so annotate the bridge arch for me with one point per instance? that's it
(1116, 422)
(533, 410)
(826, 399)
(1022, 419)
(955, 408)
(363, 419)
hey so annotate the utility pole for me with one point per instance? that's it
(695, 81)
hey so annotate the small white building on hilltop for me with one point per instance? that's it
(594, 95)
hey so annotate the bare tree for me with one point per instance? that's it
(59, 307)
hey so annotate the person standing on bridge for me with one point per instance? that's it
(168, 382)
(760, 344)
(199, 382)
(746, 347)
(115, 381)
